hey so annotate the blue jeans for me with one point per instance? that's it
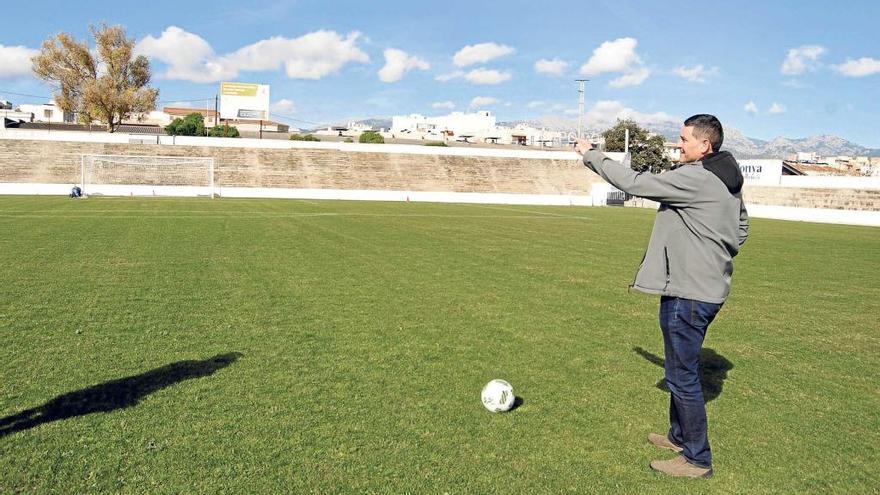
(684, 323)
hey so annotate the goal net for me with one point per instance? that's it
(132, 175)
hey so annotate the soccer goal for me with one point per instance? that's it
(133, 175)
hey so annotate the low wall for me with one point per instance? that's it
(838, 199)
(340, 166)
(49, 163)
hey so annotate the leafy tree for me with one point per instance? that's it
(371, 137)
(648, 153)
(303, 137)
(191, 125)
(109, 85)
(224, 131)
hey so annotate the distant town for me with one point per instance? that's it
(478, 128)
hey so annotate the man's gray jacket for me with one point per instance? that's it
(699, 228)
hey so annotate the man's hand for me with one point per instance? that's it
(581, 146)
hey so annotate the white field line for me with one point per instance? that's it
(527, 211)
(213, 214)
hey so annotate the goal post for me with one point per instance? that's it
(141, 175)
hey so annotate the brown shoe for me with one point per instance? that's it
(663, 442)
(681, 467)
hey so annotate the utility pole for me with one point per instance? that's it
(581, 86)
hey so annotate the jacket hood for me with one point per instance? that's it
(724, 166)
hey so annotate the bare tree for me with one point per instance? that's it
(108, 85)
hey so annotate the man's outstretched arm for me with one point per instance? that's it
(678, 187)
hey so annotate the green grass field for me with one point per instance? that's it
(261, 346)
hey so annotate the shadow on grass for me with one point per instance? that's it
(115, 394)
(517, 402)
(713, 371)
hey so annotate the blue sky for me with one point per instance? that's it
(789, 68)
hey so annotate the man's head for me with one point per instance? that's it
(701, 134)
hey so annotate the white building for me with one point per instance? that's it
(526, 135)
(480, 127)
(672, 151)
(461, 125)
(47, 113)
(351, 129)
(14, 116)
(806, 157)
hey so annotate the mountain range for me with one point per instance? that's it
(734, 140)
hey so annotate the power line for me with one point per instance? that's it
(3, 91)
(174, 100)
(288, 117)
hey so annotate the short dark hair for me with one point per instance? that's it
(707, 127)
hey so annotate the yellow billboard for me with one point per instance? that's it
(238, 89)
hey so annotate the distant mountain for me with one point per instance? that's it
(734, 140)
(377, 122)
(824, 145)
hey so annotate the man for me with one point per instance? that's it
(699, 228)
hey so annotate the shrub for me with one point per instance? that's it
(191, 125)
(436, 143)
(371, 137)
(303, 137)
(224, 131)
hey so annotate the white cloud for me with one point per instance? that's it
(801, 59)
(487, 76)
(776, 109)
(189, 56)
(450, 76)
(697, 73)
(617, 56)
(549, 106)
(443, 105)
(480, 54)
(555, 67)
(398, 63)
(612, 56)
(864, 66)
(283, 106)
(483, 101)
(606, 112)
(477, 76)
(311, 56)
(633, 78)
(751, 108)
(15, 61)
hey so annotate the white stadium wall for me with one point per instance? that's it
(47, 162)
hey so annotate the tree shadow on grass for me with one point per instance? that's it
(713, 371)
(115, 394)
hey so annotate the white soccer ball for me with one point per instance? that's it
(498, 396)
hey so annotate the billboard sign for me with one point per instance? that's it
(761, 172)
(244, 101)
